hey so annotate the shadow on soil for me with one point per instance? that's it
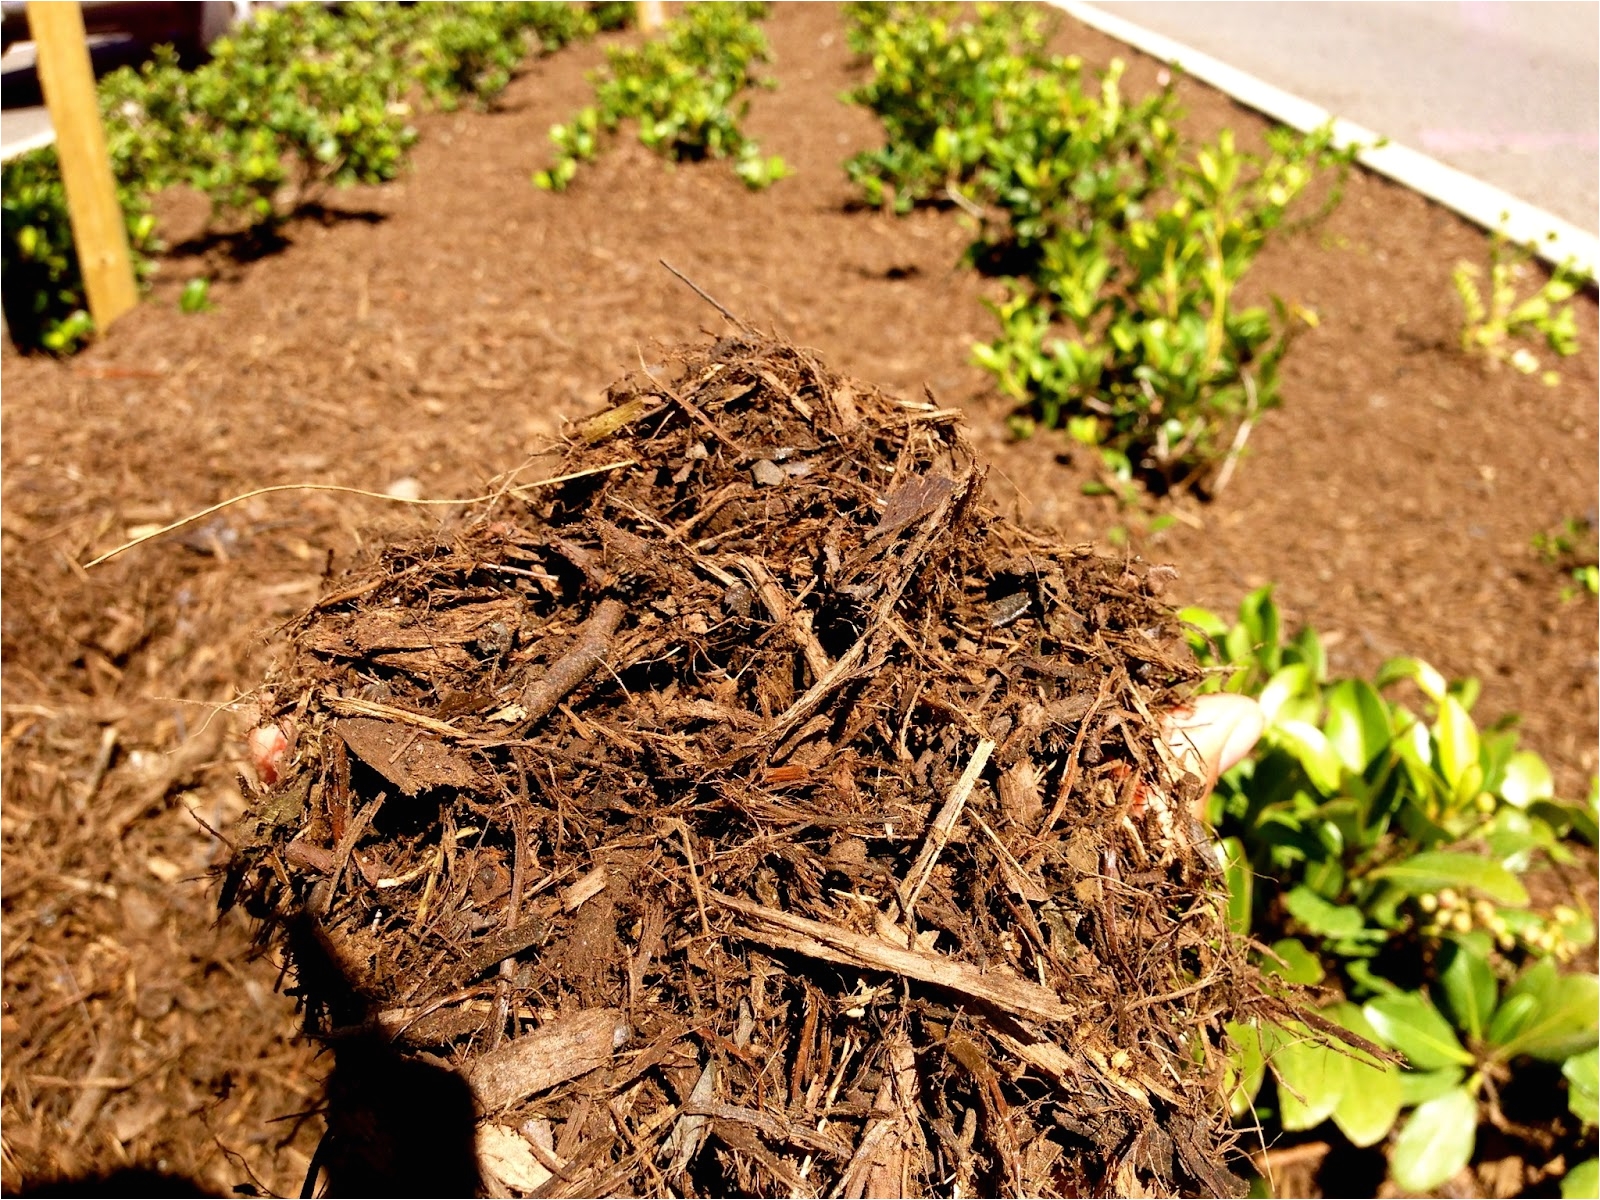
(396, 1125)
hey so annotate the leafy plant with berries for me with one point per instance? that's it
(1378, 849)
(685, 88)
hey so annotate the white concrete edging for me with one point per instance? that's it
(37, 141)
(1556, 241)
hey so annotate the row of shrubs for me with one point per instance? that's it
(293, 103)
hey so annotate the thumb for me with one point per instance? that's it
(1213, 733)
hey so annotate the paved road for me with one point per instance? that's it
(1507, 92)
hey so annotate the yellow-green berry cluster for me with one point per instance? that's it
(1448, 911)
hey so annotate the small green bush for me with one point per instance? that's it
(685, 89)
(1571, 548)
(1124, 247)
(1495, 318)
(1379, 852)
(293, 103)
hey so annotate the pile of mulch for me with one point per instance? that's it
(747, 809)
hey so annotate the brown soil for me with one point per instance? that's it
(437, 329)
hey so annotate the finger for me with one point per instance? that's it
(1214, 733)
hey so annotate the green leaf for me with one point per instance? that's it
(1373, 1089)
(1413, 1026)
(1311, 1078)
(1321, 917)
(1299, 965)
(1428, 680)
(1510, 1018)
(1240, 879)
(1435, 869)
(1563, 1020)
(1469, 991)
(1245, 1066)
(1436, 1142)
(1310, 746)
(1582, 1182)
(1418, 1087)
(1358, 725)
(1582, 1072)
(1527, 779)
(1457, 736)
(1286, 684)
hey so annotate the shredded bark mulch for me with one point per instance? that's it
(749, 809)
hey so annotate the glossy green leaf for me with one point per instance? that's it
(1510, 1018)
(1259, 616)
(1369, 981)
(1418, 1087)
(1297, 965)
(1413, 1026)
(1582, 1073)
(1469, 990)
(1240, 879)
(1321, 917)
(1565, 1019)
(1286, 684)
(1245, 1068)
(1310, 746)
(1306, 647)
(1582, 1182)
(1435, 869)
(1428, 680)
(1527, 779)
(1358, 726)
(1436, 1142)
(1457, 737)
(1373, 1091)
(1311, 1078)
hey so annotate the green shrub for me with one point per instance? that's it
(1379, 852)
(685, 89)
(1571, 549)
(296, 101)
(472, 49)
(45, 304)
(1125, 248)
(1494, 318)
(944, 89)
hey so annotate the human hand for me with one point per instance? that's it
(1212, 734)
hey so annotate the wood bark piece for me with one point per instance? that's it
(833, 944)
(891, 1146)
(576, 665)
(939, 831)
(552, 1054)
(408, 758)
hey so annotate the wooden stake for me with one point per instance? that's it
(98, 226)
(652, 15)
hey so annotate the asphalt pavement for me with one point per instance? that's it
(1508, 92)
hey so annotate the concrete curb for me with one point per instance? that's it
(45, 137)
(1556, 241)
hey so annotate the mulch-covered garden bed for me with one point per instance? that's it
(435, 332)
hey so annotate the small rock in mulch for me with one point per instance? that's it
(747, 809)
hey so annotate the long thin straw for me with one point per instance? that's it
(351, 491)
